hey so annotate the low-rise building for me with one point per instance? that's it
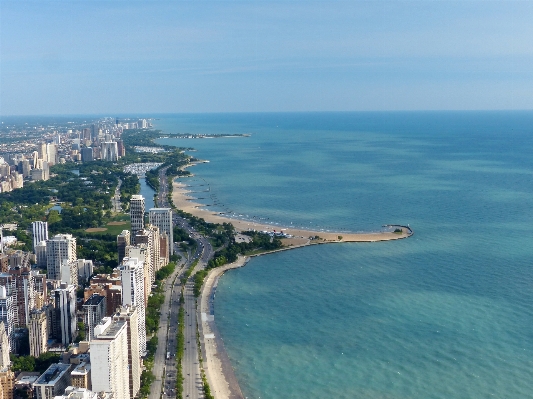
(53, 381)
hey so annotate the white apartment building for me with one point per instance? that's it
(132, 280)
(40, 232)
(59, 249)
(109, 358)
(162, 218)
(130, 315)
(7, 314)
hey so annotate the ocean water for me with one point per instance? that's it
(447, 313)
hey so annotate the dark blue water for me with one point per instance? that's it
(444, 314)
(148, 193)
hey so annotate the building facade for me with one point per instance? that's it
(94, 310)
(38, 330)
(60, 250)
(137, 210)
(129, 314)
(109, 358)
(162, 218)
(132, 276)
(65, 309)
(40, 232)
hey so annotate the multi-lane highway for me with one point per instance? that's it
(165, 360)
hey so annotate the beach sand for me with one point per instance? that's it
(183, 200)
(217, 366)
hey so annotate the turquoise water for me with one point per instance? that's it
(447, 313)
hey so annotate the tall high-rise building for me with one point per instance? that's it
(60, 249)
(109, 358)
(7, 315)
(4, 348)
(150, 237)
(94, 310)
(137, 209)
(40, 232)
(85, 269)
(129, 314)
(162, 218)
(38, 330)
(40, 254)
(123, 240)
(121, 148)
(41, 151)
(141, 252)
(109, 151)
(65, 307)
(23, 293)
(69, 272)
(52, 156)
(87, 154)
(26, 168)
(132, 278)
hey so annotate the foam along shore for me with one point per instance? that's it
(184, 201)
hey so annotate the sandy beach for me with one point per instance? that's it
(183, 199)
(217, 366)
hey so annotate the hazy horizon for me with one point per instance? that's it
(148, 57)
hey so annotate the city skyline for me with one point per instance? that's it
(167, 57)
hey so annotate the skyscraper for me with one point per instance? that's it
(51, 152)
(162, 218)
(59, 250)
(38, 329)
(123, 240)
(137, 209)
(94, 310)
(65, 307)
(7, 314)
(41, 151)
(132, 280)
(109, 151)
(87, 154)
(109, 358)
(141, 252)
(4, 348)
(129, 314)
(40, 232)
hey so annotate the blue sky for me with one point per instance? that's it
(106, 57)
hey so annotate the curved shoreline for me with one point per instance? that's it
(185, 202)
(216, 363)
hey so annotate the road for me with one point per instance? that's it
(165, 369)
(168, 320)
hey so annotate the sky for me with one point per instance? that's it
(118, 57)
